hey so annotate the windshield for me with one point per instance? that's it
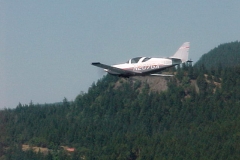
(135, 60)
(146, 59)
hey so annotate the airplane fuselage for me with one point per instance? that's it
(145, 64)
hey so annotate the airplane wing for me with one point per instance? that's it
(162, 75)
(114, 69)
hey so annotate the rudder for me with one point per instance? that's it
(182, 52)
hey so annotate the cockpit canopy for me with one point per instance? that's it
(137, 60)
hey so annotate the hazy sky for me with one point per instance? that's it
(46, 47)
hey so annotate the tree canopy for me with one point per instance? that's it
(225, 55)
(197, 117)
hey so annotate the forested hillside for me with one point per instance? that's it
(124, 122)
(225, 55)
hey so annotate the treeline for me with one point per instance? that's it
(225, 55)
(198, 117)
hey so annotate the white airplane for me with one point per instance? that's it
(142, 66)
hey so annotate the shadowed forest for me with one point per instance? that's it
(197, 117)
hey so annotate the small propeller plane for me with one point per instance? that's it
(142, 66)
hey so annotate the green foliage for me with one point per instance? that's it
(124, 120)
(225, 55)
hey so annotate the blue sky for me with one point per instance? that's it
(46, 47)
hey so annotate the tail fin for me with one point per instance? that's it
(182, 52)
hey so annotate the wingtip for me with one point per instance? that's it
(189, 60)
(95, 63)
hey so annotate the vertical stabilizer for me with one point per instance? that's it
(182, 52)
